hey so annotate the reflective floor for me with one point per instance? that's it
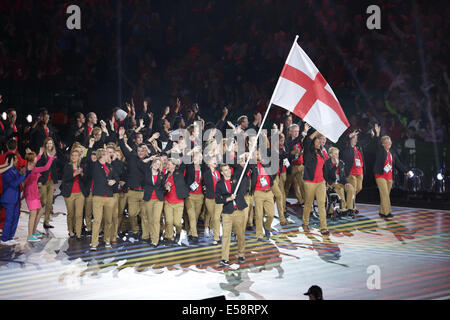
(363, 258)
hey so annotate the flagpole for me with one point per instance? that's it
(262, 123)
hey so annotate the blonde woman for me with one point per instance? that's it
(104, 178)
(211, 176)
(71, 190)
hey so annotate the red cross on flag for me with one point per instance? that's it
(302, 90)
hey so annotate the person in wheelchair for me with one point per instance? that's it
(335, 177)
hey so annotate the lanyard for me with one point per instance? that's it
(214, 173)
(356, 153)
(229, 191)
(259, 172)
(199, 176)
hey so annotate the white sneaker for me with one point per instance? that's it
(206, 232)
(13, 242)
(5, 243)
(108, 245)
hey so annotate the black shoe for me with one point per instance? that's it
(195, 239)
(177, 238)
(390, 215)
(224, 263)
(267, 234)
(154, 245)
(249, 228)
(241, 260)
(48, 226)
(89, 233)
(100, 234)
(260, 240)
(190, 238)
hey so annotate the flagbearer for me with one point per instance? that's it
(232, 212)
(315, 185)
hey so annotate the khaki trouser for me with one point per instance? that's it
(214, 212)
(346, 193)
(122, 203)
(248, 212)
(46, 191)
(356, 181)
(318, 191)
(173, 213)
(103, 210)
(264, 204)
(384, 188)
(282, 184)
(154, 210)
(88, 214)
(295, 178)
(194, 205)
(75, 205)
(233, 221)
(117, 215)
(135, 207)
(278, 198)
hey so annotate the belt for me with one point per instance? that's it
(137, 190)
(267, 190)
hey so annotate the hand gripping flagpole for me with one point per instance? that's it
(262, 124)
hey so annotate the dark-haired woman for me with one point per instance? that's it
(154, 199)
(315, 185)
(47, 180)
(176, 192)
(31, 192)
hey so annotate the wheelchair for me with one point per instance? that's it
(332, 206)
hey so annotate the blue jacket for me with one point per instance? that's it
(11, 182)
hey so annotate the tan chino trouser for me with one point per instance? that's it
(194, 205)
(46, 191)
(318, 191)
(135, 208)
(173, 212)
(122, 203)
(295, 179)
(74, 205)
(356, 181)
(214, 211)
(103, 210)
(264, 204)
(384, 188)
(250, 210)
(88, 214)
(154, 209)
(279, 198)
(282, 184)
(346, 193)
(233, 221)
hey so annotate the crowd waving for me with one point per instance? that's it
(168, 174)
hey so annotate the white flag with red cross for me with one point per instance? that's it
(302, 90)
